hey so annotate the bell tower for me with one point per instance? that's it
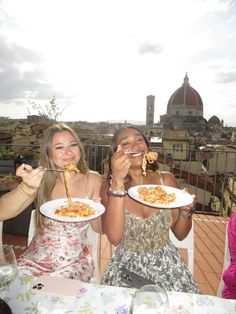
(150, 111)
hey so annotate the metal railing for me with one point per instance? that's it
(210, 175)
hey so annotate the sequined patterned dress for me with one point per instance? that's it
(60, 249)
(146, 250)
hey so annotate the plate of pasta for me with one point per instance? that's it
(72, 210)
(160, 196)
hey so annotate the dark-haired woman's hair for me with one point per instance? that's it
(114, 146)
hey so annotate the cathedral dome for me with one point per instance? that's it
(185, 101)
(214, 120)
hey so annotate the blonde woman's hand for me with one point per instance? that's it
(31, 177)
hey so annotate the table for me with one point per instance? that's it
(100, 299)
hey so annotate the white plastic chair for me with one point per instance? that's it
(94, 240)
(226, 262)
(32, 225)
(188, 244)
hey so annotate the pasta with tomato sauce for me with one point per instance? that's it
(156, 194)
(74, 209)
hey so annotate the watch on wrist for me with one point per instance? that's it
(185, 214)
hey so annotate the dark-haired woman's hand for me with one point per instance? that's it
(188, 210)
(120, 164)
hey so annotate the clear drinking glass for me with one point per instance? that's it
(8, 264)
(150, 299)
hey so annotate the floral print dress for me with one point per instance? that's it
(147, 251)
(60, 249)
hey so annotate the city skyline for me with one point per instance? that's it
(101, 59)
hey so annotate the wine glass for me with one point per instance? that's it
(150, 299)
(8, 265)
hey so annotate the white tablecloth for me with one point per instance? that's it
(98, 299)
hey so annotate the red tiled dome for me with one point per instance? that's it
(187, 96)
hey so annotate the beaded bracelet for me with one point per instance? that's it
(116, 179)
(116, 193)
(121, 192)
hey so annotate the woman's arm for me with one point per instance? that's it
(14, 202)
(96, 181)
(182, 217)
(113, 220)
(113, 198)
(182, 222)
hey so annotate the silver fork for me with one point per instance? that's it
(58, 170)
(133, 153)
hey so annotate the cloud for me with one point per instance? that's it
(20, 73)
(115, 55)
(226, 77)
(147, 47)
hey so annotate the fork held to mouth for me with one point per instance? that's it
(58, 170)
(133, 153)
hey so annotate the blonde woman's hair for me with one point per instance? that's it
(49, 179)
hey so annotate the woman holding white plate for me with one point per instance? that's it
(144, 253)
(59, 247)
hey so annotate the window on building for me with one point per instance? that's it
(178, 147)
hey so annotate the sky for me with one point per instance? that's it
(102, 58)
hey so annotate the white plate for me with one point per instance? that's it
(48, 209)
(182, 198)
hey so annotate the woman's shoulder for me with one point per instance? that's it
(168, 178)
(165, 174)
(91, 172)
(94, 175)
(159, 173)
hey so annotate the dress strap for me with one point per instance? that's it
(161, 178)
(86, 185)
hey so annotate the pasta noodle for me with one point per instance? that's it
(66, 174)
(71, 167)
(156, 194)
(74, 209)
(150, 158)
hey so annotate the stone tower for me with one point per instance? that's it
(150, 111)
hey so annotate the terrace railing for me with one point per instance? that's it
(210, 175)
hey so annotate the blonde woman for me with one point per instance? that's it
(58, 248)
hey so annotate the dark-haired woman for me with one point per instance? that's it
(141, 233)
